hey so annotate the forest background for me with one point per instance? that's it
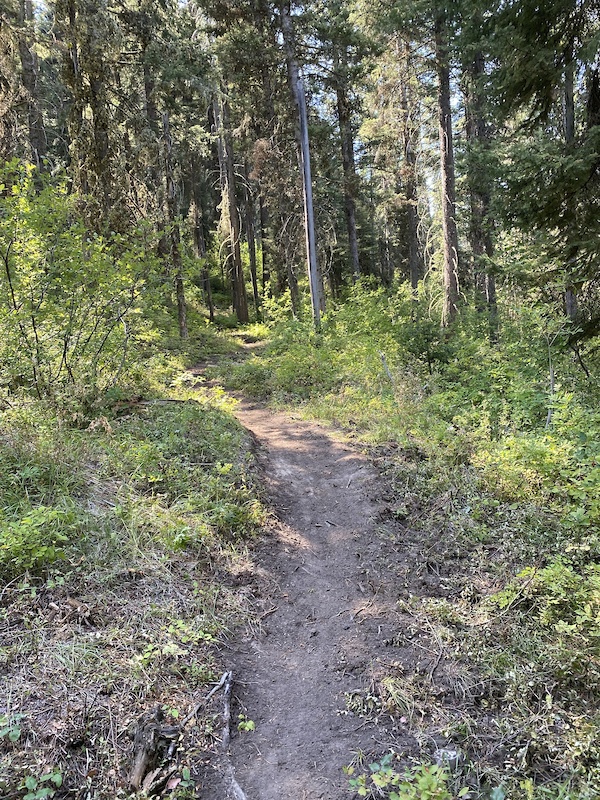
(403, 198)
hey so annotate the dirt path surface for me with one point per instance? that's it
(328, 623)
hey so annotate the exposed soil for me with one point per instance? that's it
(329, 575)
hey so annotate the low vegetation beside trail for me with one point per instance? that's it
(496, 467)
(121, 538)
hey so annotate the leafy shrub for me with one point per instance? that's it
(35, 540)
(69, 299)
(422, 782)
(562, 597)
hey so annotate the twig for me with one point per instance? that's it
(363, 608)
(343, 611)
(236, 789)
(387, 369)
(213, 691)
(437, 663)
(227, 711)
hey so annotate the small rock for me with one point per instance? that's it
(445, 757)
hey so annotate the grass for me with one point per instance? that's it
(505, 509)
(115, 525)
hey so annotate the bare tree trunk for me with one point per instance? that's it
(297, 90)
(66, 18)
(571, 307)
(30, 72)
(264, 243)
(480, 228)
(415, 252)
(450, 233)
(240, 301)
(174, 234)
(251, 239)
(347, 147)
(200, 249)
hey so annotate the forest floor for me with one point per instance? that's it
(353, 603)
(333, 652)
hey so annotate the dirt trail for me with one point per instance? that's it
(328, 622)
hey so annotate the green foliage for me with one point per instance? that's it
(68, 297)
(40, 473)
(481, 444)
(562, 597)
(36, 539)
(10, 727)
(189, 481)
(422, 782)
(245, 724)
(185, 480)
(43, 786)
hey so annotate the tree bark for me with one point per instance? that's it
(240, 301)
(174, 234)
(450, 232)
(251, 239)
(349, 167)
(416, 263)
(571, 306)
(480, 228)
(299, 98)
(265, 251)
(200, 249)
(30, 72)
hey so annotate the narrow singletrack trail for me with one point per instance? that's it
(329, 573)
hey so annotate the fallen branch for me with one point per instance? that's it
(226, 737)
(236, 789)
(203, 702)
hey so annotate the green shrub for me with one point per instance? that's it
(422, 782)
(35, 540)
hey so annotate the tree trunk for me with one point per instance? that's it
(240, 301)
(265, 251)
(251, 239)
(480, 228)
(299, 98)
(29, 72)
(200, 249)
(415, 252)
(174, 234)
(571, 307)
(347, 147)
(450, 233)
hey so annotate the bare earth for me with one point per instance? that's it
(328, 579)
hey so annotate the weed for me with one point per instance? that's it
(245, 724)
(112, 535)
(10, 727)
(43, 786)
(504, 497)
(422, 782)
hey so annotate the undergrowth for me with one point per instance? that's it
(497, 467)
(115, 523)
